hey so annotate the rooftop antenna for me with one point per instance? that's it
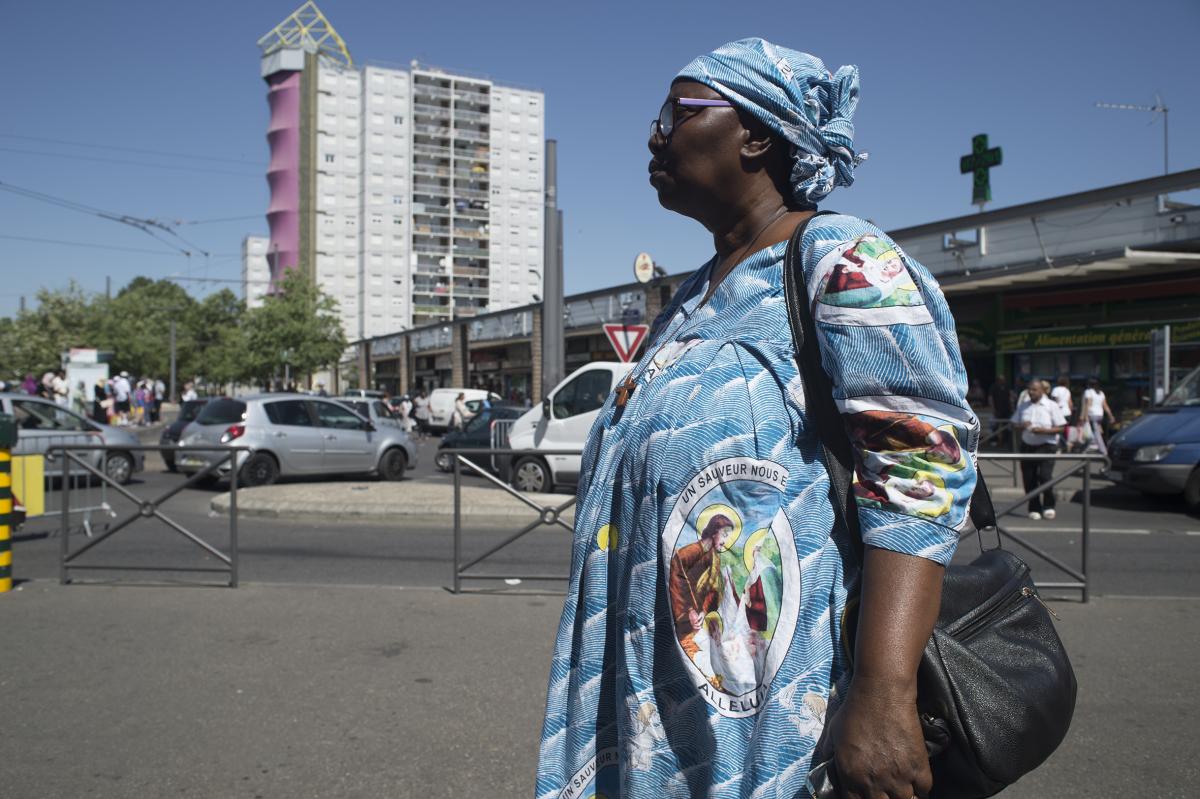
(1157, 108)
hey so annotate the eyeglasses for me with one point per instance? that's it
(664, 125)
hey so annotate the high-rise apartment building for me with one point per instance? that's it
(410, 195)
(256, 271)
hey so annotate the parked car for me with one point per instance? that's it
(374, 410)
(188, 412)
(441, 405)
(1159, 451)
(43, 424)
(363, 393)
(477, 433)
(294, 434)
(562, 422)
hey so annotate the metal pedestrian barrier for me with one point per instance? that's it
(40, 483)
(547, 515)
(1083, 466)
(72, 457)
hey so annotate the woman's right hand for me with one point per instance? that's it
(878, 745)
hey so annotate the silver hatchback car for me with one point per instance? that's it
(294, 434)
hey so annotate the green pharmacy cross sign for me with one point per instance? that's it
(980, 161)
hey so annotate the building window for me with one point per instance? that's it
(397, 199)
(329, 158)
(397, 120)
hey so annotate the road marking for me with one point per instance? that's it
(1106, 530)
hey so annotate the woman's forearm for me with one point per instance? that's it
(901, 595)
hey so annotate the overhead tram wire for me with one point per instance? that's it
(139, 150)
(147, 226)
(136, 163)
(96, 246)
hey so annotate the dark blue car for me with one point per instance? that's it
(1159, 452)
(476, 433)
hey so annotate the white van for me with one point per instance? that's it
(562, 422)
(441, 404)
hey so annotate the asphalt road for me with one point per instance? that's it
(1139, 546)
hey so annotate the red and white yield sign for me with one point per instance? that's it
(626, 339)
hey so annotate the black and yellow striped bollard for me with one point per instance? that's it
(8, 439)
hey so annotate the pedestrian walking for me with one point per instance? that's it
(1095, 405)
(122, 391)
(1000, 398)
(1040, 421)
(1061, 394)
(79, 398)
(60, 389)
(461, 414)
(404, 409)
(99, 395)
(189, 392)
(700, 651)
(421, 412)
(160, 394)
(30, 384)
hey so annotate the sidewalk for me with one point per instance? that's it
(413, 502)
(324, 691)
(423, 502)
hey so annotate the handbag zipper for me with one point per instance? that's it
(1001, 606)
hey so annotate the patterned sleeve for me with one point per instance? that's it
(889, 345)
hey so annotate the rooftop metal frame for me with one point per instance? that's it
(307, 29)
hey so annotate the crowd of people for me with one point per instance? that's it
(1048, 421)
(120, 400)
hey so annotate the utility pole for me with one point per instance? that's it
(108, 287)
(1157, 108)
(553, 334)
(174, 397)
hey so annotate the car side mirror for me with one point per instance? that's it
(546, 408)
(370, 428)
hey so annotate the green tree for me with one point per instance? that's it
(298, 324)
(136, 326)
(215, 338)
(35, 340)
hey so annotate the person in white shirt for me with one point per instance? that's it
(189, 392)
(462, 414)
(421, 412)
(1095, 405)
(121, 392)
(1040, 421)
(60, 389)
(1062, 396)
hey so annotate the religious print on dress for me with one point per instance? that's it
(733, 580)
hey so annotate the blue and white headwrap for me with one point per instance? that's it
(796, 98)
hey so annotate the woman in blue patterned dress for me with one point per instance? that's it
(700, 652)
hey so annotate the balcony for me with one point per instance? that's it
(470, 252)
(471, 291)
(439, 131)
(471, 271)
(465, 112)
(423, 229)
(461, 134)
(472, 194)
(436, 109)
(430, 170)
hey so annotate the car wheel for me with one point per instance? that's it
(393, 464)
(119, 467)
(444, 462)
(532, 475)
(260, 469)
(1191, 491)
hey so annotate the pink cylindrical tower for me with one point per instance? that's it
(283, 173)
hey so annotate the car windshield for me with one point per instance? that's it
(1186, 393)
(477, 422)
(222, 411)
(190, 410)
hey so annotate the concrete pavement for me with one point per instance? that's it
(369, 691)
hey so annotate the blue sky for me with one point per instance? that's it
(169, 97)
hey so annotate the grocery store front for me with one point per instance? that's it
(1119, 355)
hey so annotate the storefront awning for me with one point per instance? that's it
(1129, 262)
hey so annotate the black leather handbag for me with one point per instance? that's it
(995, 689)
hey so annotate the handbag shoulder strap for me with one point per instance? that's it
(821, 408)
